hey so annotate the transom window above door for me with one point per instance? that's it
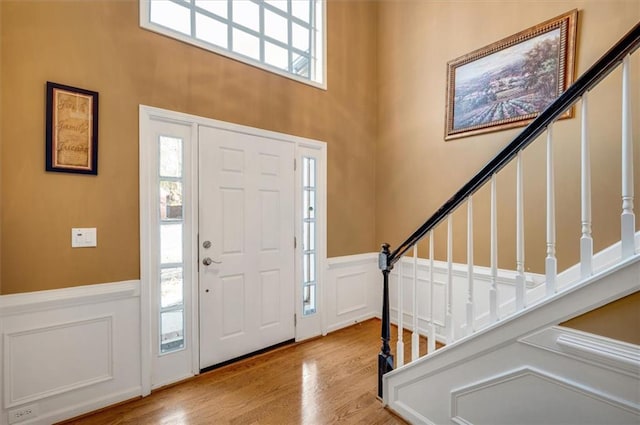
(286, 37)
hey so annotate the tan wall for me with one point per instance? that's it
(417, 171)
(618, 320)
(98, 45)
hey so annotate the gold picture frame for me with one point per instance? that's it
(71, 130)
(508, 83)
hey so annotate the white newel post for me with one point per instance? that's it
(431, 347)
(628, 217)
(415, 336)
(469, 325)
(586, 241)
(493, 292)
(551, 265)
(520, 278)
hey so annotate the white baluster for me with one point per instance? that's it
(551, 265)
(400, 342)
(431, 347)
(520, 278)
(415, 336)
(469, 325)
(449, 317)
(493, 292)
(628, 217)
(586, 241)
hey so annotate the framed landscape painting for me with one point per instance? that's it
(508, 83)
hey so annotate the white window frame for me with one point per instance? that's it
(321, 60)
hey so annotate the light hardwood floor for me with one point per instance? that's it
(328, 380)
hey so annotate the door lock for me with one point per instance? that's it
(206, 244)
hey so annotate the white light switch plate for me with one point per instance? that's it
(84, 237)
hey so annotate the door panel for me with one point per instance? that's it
(246, 187)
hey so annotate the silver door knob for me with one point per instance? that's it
(208, 261)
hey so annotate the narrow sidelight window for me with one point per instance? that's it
(171, 262)
(309, 229)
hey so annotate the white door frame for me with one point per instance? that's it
(148, 179)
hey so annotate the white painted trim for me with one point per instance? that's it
(352, 260)
(597, 350)
(31, 302)
(350, 322)
(529, 371)
(8, 338)
(149, 114)
(589, 294)
(81, 408)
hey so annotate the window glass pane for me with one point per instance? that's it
(170, 200)
(280, 4)
(300, 37)
(312, 268)
(171, 330)
(312, 172)
(305, 268)
(170, 243)
(218, 7)
(276, 56)
(300, 65)
(275, 26)
(170, 287)
(309, 301)
(309, 236)
(211, 31)
(305, 171)
(170, 15)
(170, 157)
(246, 44)
(246, 13)
(309, 204)
(301, 9)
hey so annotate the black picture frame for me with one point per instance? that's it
(71, 129)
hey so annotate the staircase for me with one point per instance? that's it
(506, 359)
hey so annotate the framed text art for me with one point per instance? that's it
(72, 130)
(508, 83)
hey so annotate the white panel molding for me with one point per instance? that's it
(594, 349)
(527, 372)
(406, 385)
(30, 302)
(359, 278)
(70, 351)
(343, 307)
(12, 365)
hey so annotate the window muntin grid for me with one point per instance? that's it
(309, 235)
(171, 259)
(259, 32)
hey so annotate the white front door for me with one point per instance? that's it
(246, 243)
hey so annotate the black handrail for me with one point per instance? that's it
(627, 45)
(607, 63)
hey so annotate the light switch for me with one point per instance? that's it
(84, 237)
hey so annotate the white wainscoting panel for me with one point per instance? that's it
(70, 351)
(533, 396)
(353, 290)
(489, 378)
(84, 356)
